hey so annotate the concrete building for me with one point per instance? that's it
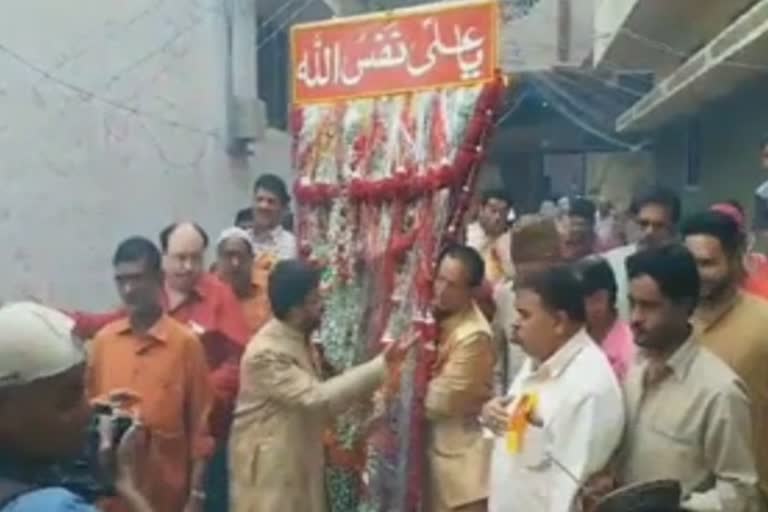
(119, 117)
(707, 110)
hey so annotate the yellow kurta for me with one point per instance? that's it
(276, 450)
(738, 334)
(458, 455)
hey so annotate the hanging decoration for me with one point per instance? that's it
(391, 116)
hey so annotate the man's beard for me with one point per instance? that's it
(719, 291)
(440, 313)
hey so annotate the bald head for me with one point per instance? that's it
(183, 232)
(184, 246)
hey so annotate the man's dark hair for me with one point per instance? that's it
(244, 215)
(596, 275)
(559, 290)
(275, 185)
(717, 225)
(138, 249)
(661, 196)
(497, 194)
(673, 269)
(736, 204)
(290, 282)
(583, 208)
(165, 234)
(471, 260)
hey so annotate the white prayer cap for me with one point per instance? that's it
(35, 343)
(235, 232)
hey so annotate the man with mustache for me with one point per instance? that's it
(235, 266)
(210, 309)
(688, 412)
(729, 321)
(656, 213)
(457, 454)
(284, 408)
(163, 362)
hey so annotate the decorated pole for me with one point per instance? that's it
(391, 115)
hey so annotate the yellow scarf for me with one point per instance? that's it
(519, 421)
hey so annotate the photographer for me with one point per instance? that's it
(44, 414)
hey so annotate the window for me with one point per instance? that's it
(273, 64)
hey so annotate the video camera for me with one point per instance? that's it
(91, 474)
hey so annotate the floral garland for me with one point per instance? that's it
(382, 184)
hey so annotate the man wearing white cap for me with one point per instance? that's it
(235, 266)
(44, 413)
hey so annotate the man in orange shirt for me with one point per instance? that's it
(235, 266)
(207, 306)
(160, 360)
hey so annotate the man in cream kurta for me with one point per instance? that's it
(457, 454)
(283, 408)
(689, 416)
(732, 323)
(693, 426)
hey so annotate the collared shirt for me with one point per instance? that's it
(494, 250)
(167, 369)
(619, 347)
(462, 381)
(737, 333)
(580, 422)
(605, 230)
(277, 243)
(463, 372)
(617, 259)
(276, 456)
(214, 314)
(693, 426)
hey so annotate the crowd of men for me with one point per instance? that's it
(576, 359)
(643, 363)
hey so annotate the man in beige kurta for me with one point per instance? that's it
(731, 323)
(276, 449)
(458, 455)
(688, 412)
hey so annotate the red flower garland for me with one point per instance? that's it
(404, 186)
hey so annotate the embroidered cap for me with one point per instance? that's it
(535, 238)
(36, 342)
(238, 233)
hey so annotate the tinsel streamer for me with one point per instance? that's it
(381, 183)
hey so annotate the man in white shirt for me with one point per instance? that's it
(535, 247)
(563, 416)
(656, 213)
(270, 202)
(490, 237)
